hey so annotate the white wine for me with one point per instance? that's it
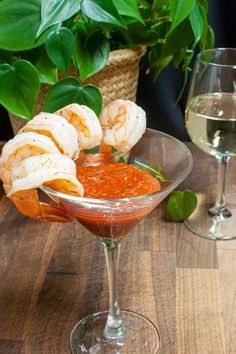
(211, 123)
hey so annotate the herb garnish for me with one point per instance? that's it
(152, 168)
(94, 150)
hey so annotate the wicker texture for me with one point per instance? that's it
(119, 79)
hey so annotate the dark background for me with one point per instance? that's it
(158, 98)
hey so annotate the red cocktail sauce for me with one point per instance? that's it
(114, 181)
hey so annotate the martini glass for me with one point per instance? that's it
(211, 124)
(117, 331)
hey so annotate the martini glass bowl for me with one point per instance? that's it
(117, 331)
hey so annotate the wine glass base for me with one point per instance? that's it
(203, 224)
(141, 336)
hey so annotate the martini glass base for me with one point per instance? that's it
(213, 227)
(141, 336)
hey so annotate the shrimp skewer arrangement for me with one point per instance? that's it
(44, 151)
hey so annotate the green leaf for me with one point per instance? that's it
(19, 88)
(144, 4)
(210, 38)
(121, 160)
(60, 46)
(181, 204)
(154, 55)
(19, 22)
(163, 64)
(91, 54)
(186, 68)
(179, 38)
(159, 3)
(69, 91)
(56, 11)
(151, 167)
(204, 5)
(102, 11)
(179, 10)
(47, 70)
(94, 150)
(128, 8)
(138, 34)
(179, 57)
(197, 21)
(207, 40)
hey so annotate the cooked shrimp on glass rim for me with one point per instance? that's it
(58, 129)
(86, 123)
(19, 148)
(42, 153)
(123, 124)
(57, 172)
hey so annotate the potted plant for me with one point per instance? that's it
(51, 51)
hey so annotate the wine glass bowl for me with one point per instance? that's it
(116, 331)
(211, 124)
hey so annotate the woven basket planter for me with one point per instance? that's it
(118, 79)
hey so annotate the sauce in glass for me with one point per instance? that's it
(116, 181)
(110, 181)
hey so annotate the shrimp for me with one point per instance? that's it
(86, 123)
(28, 204)
(123, 124)
(20, 147)
(55, 171)
(57, 128)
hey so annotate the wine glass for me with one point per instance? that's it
(116, 331)
(211, 124)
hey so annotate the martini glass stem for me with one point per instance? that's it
(219, 209)
(114, 326)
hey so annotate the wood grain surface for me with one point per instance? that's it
(51, 275)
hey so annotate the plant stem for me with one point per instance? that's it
(219, 209)
(114, 327)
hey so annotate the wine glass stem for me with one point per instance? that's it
(219, 208)
(114, 327)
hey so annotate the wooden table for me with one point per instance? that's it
(51, 275)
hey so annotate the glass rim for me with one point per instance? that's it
(181, 178)
(212, 50)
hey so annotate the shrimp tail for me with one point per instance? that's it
(27, 202)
